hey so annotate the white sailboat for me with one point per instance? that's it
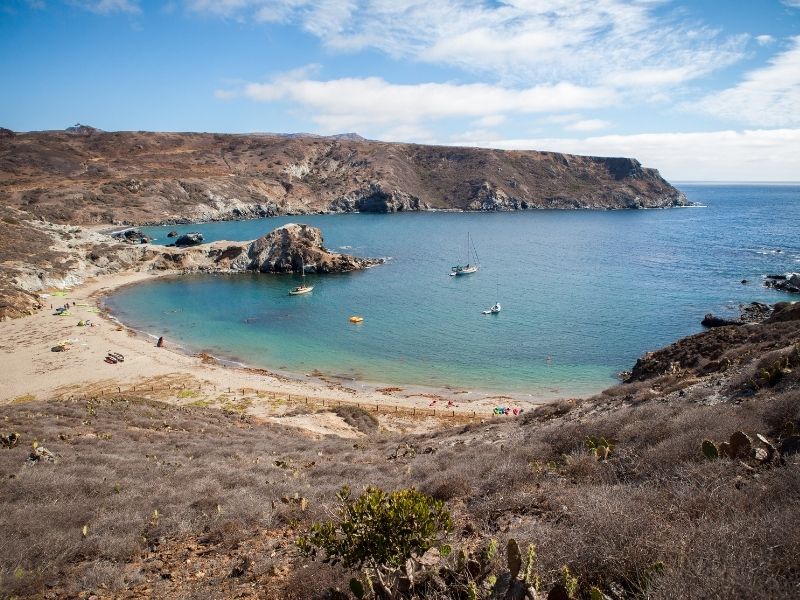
(469, 267)
(302, 288)
(496, 308)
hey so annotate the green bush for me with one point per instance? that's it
(379, 528)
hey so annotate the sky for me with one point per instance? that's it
(703, 90)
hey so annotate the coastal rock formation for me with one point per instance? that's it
(286, 249)
(720, 348)
(755, 312)
(790, 282)
(193, 238)
(132, 236)
(86, 176)
(283, 250)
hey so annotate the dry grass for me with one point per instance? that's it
(654, 520)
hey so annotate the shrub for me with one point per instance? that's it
(379, 531)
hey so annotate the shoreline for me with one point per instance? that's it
(332, 377)
(34, 371)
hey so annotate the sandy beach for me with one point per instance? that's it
(32, 370)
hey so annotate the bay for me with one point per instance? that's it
(584, 293)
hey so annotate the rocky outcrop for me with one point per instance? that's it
(790, 282)
(376, 199)
(283, 250)
(755, 312)
(720, 349)
(132, 236)
(193, 238)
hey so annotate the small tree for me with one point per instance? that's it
(380, 532)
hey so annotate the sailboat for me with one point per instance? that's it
(469, 267)
(302, 288)
(496, 308)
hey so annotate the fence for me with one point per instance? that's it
(292, 399)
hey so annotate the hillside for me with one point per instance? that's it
(190, 502)
(88, 176)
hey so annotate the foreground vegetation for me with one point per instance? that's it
(615, 495)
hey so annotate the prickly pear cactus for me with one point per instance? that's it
(514, 558)
(710, 450)
(740, 444)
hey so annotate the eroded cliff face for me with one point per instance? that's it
(138, 178)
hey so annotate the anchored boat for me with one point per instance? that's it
(302, 288)
(469, 267)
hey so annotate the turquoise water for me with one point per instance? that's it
(591, 290)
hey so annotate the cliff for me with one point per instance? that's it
(89, 176)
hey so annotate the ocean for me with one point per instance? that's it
(584, 293)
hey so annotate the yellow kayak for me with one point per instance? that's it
(356, 319)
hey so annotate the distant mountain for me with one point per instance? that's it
(85, 175)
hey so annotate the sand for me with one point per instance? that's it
(31, 370)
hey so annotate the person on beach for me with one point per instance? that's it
(160, 342)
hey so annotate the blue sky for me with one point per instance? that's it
(702, 90)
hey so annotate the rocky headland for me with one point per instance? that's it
(87, 176)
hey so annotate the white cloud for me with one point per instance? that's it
(589, 42)
(750, 155)
(764, 40)
(360, 103)
(765, 97)
(792, 3)
(490, 121)
(587, 125)
(104, 7)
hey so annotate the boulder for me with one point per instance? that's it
(193, 238)
(132, 236)
(712, 321)
(790, 282)
(172, 233)
(286, 249)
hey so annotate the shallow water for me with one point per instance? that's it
(584, 293)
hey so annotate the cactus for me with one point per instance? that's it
(569, 581)
(472, 591)
(357, 588)
(740, 445)
(600, 447)
(530, 576)
(514, 558)
(596, 594)
(710, 450)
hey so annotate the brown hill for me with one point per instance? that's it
(90, 176)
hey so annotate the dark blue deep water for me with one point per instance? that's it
(591, 290)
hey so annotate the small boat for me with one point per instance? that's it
(469, 267)
(356, 319)
(496, 308)
(302, 288)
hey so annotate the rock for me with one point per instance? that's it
(785, 311)
(711, 321)
(172, 233)
(9, 440)
(39, 454)
(744, 282)
(755, 312)
(287, 248)
(132, 236)
(790, 282)
(376, 199)
(193, 238)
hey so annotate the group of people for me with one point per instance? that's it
(506, 410)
